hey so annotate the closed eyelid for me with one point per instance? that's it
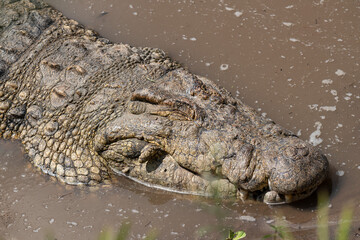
(173, 105)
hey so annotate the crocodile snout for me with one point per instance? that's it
(298, 171)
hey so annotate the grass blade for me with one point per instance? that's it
(345, 223)
(123, 231)
(323, 216)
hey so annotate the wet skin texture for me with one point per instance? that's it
(84, 108)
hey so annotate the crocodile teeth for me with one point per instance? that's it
(272, 197)
(242, 194)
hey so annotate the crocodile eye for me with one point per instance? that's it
(190, 110)
(166, 104)
(172, 114)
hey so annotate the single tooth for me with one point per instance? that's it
(242, 194)
(288, 198)
(272, 197)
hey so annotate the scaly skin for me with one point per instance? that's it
(84, 107)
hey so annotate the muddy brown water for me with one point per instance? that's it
(294, 61)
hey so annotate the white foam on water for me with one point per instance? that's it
(327, 81)
(134, 211)
(313, 106)
(340, 72)
(72, 224)
(327, 108)
(247, 218)
(238, 13)
(224, 67)
(294, 40)
(288, 24)
(314, 138)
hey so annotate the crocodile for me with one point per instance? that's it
(87, 109)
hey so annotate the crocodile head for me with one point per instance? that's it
(185, 134)
(81, 105)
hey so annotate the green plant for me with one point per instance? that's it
(215, 209)
(236, 235)
(217, 151)
(323, 216)
(345, 221)
(123, 233)
(281, 232)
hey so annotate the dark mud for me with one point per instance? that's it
(296, 62)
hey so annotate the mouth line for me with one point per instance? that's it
(157, 186)
(266, 194)
(271, 197)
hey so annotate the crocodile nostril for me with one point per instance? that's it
(296, 152)
(303, 151)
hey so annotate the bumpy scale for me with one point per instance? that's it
(84, 107)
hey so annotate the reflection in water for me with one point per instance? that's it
(295, 62)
